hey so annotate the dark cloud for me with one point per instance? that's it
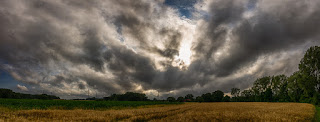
(267, 31)
(74, 47)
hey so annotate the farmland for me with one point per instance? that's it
(27, 104)
(235, 111)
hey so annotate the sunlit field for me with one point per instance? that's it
(241, 111)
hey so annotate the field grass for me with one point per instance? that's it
(184, 112)
(317, 116)
(27, 104)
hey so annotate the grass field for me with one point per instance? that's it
(23, 104)
(183, 112)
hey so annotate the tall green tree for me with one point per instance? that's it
(278, 87)
(217, 96)
(309, 69)
(226, 98)
(294, 90)
(235, 92)
(247, 95)
(260, 86)
(207, 97)
(310, 66)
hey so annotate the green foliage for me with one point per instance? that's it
(217, 96)
(268, 95)
(294, 91)
(235, 92)
(20, 104)
(129, 96)
(246, 96)
(226, 99)
(171, 99)
(199, 99)
(261, 85)
(301, 86)
(317, 116)
(207, 97)
(180, 99)
(189, 97)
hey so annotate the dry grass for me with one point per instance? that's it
(184, 112)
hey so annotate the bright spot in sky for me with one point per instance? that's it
(185, 53)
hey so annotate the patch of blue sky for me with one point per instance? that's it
(185, 7)
(119, 30)
(7, 81)
(251, 4)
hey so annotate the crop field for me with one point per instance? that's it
(27, 104)
(242, 111)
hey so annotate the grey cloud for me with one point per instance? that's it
(68, 45)
(266, 32)
(214, 33)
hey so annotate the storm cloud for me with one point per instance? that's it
(74, 47)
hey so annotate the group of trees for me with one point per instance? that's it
(217, 96)
(7, 93)
(129, 96)
(301, 86)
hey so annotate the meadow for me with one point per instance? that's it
(234, 111)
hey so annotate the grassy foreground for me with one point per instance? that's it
(183, 112)
(27, 104)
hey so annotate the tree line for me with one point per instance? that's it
(9, 94)
(129, 96)
(302, 86)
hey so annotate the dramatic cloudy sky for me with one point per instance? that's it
(166, 47)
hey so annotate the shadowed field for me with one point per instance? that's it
(184, 112)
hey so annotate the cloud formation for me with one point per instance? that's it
(22, 88)
(104, 47)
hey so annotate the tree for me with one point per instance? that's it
(171, 99)
(226, 99)
(207, 97)
(309, 72)
(260, 86)
(217, 96)
(310, 66)
(268, 95)
(180, 99)
(128, 96)
(235, 92)
(247, 95)
(294, 91)
(279, 83)
(283, 92)
(199, 99)
(189, 97)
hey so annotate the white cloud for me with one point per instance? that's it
(22, 88)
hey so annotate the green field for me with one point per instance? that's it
(27, 104)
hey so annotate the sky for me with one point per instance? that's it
(158, 47)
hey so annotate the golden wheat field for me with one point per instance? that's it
(185, 112)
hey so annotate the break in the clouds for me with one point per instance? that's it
(153, 46)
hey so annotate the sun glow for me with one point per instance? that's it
(185, 53)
